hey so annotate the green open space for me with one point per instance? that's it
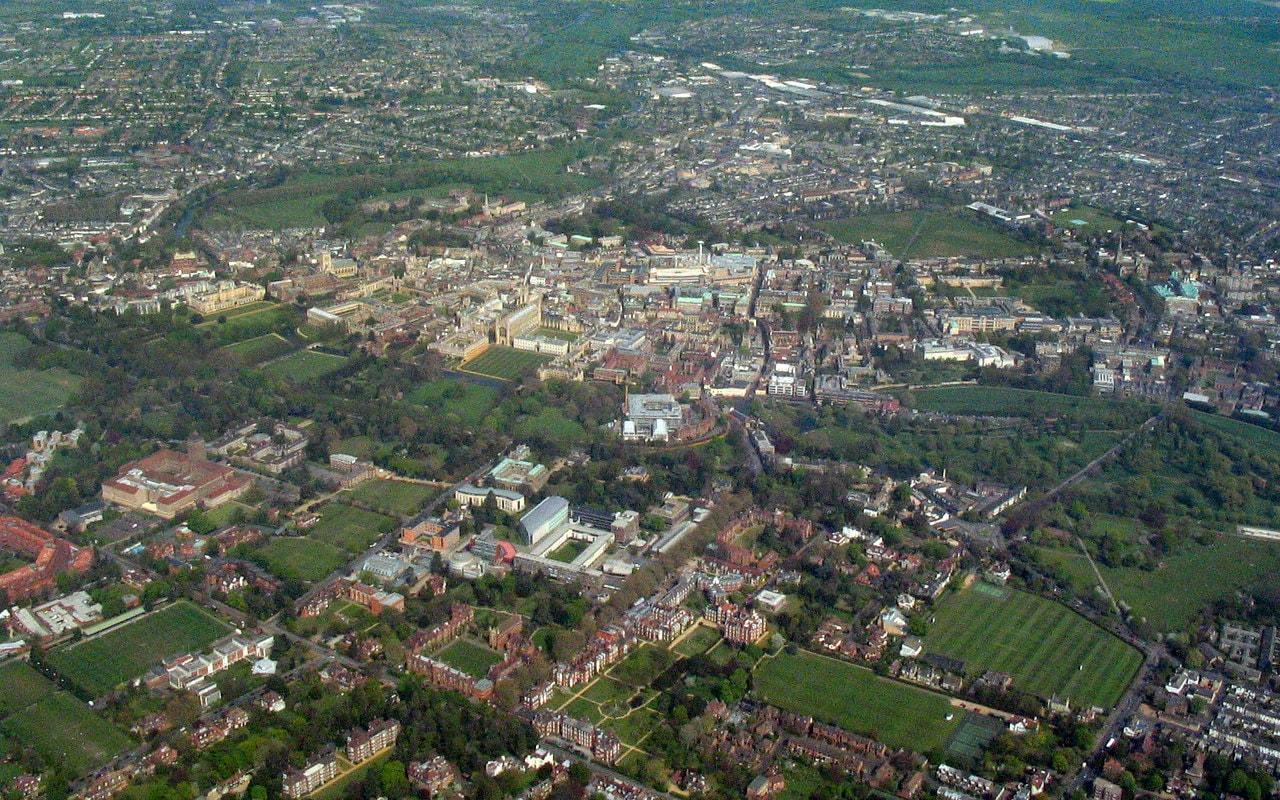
(63, 730)
(556, 333)
(300, 557)
(249, 322)
(468, 656)
(350, 528)
(299, 200)
(400, 498)
(1047, 648)
(505, 363)
(929, 234)
(635, 726)
(606, 690)
(1086, 219)
(20, 686)
(857, 699)
(338, 789)
(100, 664)
(262, 348)
(456, 399)
(698, 641)
(29, 392)
(642, 665)
(1171, 596)
(1004, 401)
(972, 737)
(568, 551)
(304, 366)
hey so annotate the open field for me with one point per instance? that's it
(297, 202)
(20, 686)
(392, 497)
(928, 234)
(857, 699)
(467, 402)
(1003, 401)
(701, 639)
(258, 349)
(350, 528)
(471, 657)
(29, 392)
(1086, 219)
(505, 363)
(1045, 646)
(1172, 596)
(249, 322)
(99, 665)
(1253, 434)
(642, 665)
(61, 729)
(301, 558)
(304, 366)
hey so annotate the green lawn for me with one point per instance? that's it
(1171, 597)
(301, 558)
(1008, 402)
(1045, 646)
(392, 497)
(338, 789)
(1250, 433)
(99, 665)
(464, 401)
(349, 528)
(249, 322)
(258, 349)
(642, 665)
(568, 551)
(304, 366)
(471, 657)
(505, 363)
(635, 726)
(65, 731)
(1086, 219)
(29, 392)
(929, 234)
(700, 640)
(21, 686)
(857, 699)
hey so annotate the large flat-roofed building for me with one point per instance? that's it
(652, 417)
(168, 483)
(519, 476)
(505, 500)
(544, 519)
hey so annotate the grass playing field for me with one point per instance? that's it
(1171, 597)
(29, 392)
(1045, 646)
(301, 558)
(34, 712)
(99, 665)
(928, 234)
(349, 528)
(303, 366)
(470, 657)
(857, 700)
(392, 497)
(505, 363)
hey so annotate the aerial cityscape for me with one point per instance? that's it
(639, 400)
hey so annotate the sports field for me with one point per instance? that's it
(304, 366)
(301, 558)
(392, 497)
(470, 657)
(505, 363)
(28, 392)
(928, 234)
(1045, 646)
(350, 528)
(858, 700)
(99, 665)
(56, 725)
